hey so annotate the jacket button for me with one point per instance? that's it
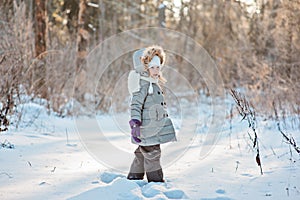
(158, 92)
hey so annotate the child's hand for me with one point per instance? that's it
(135, 129)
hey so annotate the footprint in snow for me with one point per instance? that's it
(119, 187)
(108, 177)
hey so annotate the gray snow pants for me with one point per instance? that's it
(147, 159)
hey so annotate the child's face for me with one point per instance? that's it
(154, 71)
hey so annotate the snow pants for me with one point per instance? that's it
(147, 159)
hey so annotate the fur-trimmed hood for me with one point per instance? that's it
(141, 60)
(142, 57)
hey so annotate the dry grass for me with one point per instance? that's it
(259, 56)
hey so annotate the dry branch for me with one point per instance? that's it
(290, 140)
(247, 112)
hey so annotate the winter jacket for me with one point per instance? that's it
(150, 109)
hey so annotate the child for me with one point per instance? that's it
(150, 125)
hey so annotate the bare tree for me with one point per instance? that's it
(82, 44)
(40, 26)
(40, 30)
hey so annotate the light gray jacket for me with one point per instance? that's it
(150, 109)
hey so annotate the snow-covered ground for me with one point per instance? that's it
(67, 158)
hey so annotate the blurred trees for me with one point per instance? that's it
(256, 44)
(40, 37)
(40, 25)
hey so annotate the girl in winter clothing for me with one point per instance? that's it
(150, 125)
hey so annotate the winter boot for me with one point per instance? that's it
(155, 176)
(135, 176)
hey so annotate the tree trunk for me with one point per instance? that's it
(40, 26)
(40, 30)
(82, 48)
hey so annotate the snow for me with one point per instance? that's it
(52, 160)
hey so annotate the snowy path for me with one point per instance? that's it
(50, 162)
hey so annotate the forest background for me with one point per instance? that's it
(44, 45)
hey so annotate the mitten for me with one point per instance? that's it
(135, 129)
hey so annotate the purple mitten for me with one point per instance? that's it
(135, 129)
